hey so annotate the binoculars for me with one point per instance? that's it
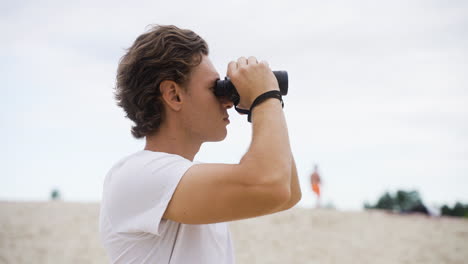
(226, 89)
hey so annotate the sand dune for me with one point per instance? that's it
(62, 232)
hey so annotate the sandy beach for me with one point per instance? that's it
(63, 232)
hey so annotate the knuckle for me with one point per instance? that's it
(242, 70)
(235, 75)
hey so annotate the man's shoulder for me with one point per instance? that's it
(146, 163)
(145, 158)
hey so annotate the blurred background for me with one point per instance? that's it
(378, 92)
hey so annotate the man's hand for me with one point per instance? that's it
(251, 79)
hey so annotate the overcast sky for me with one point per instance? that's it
(378, 93)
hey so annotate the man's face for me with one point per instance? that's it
(205, 115)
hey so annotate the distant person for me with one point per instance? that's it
(158, 206)
(316, 182)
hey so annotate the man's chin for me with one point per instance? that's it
(218, 138)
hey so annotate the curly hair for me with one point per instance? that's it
(162, 53)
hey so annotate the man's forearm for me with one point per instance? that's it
(269, 150)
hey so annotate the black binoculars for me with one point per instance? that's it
(225, 87)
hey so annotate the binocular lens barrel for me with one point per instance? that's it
(226, 88)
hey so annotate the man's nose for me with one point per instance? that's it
(226, 103)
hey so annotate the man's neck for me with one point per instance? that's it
(173, 141)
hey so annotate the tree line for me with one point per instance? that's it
(410, 202)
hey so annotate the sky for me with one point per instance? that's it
(378, 91)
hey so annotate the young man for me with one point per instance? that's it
(160, 207)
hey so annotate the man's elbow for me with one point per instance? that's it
(282, 195)
(290, 195)
(274, 189)
(293, 200)
(296, 197)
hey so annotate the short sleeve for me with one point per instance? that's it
(141, 190)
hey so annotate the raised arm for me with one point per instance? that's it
(264, 181)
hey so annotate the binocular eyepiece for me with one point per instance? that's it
(225, 87)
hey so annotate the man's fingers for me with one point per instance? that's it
(252, 60)
(232, 66)
(242, 61)
(266, 63)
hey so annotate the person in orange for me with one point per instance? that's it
(315, 181)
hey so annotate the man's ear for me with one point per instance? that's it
(170, 94)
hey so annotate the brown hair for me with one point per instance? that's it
(162, 53)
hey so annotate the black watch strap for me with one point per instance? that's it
(261, 98)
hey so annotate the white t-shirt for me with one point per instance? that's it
(136, 193)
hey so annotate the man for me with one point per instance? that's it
(160, 207)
